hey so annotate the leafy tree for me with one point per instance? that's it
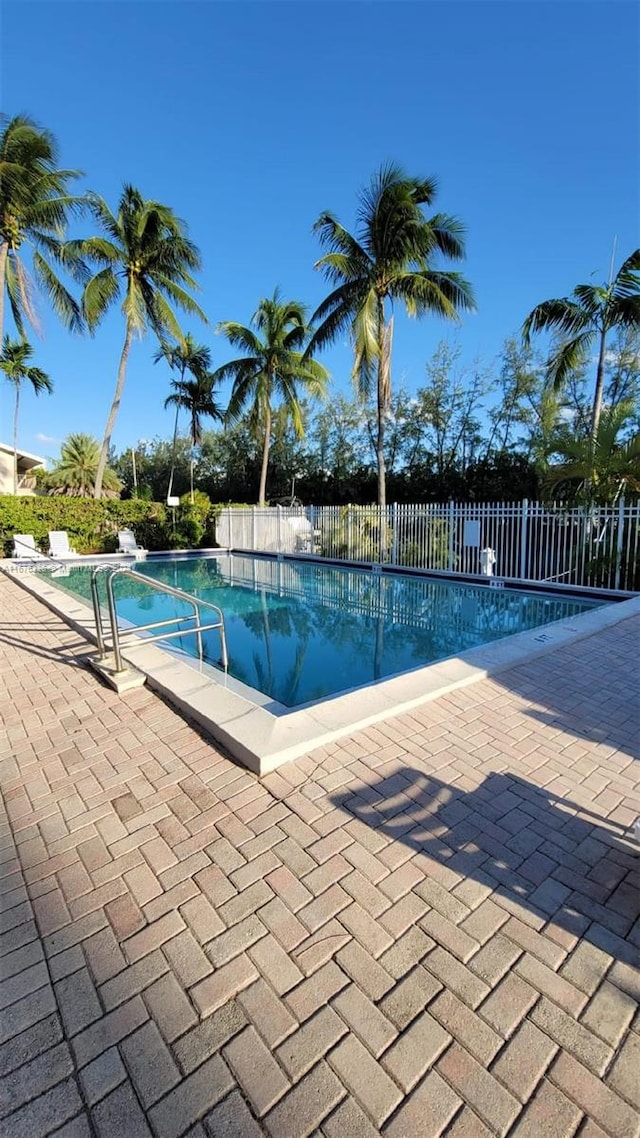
(14, 362)
(337, 458)
(388, 260)
(229, 462)
(596, 469)
(74, 473)
(34, 205)
(622, 370)
(521, 386)
(449, 407)
(586, 317)
(276, 365)
(155, 461)
(146, 255)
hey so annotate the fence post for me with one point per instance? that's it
(452, 522)
(349, 533)
(394, 539)
(524, 525)
(253, 528)
(279, 537)
(230, 528)
(619, 542)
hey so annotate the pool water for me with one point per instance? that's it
(301, 631)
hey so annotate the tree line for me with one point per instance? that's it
(398, 255)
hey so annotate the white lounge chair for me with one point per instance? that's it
(303, 539)
(59, 544)
(127, 542)
(24, 546)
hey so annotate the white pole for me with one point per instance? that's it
(452, 515)
(523, 538)
(619, 542)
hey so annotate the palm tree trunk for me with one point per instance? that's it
(4, 253)
(194, 443)
(385, 333)
(173, 451)
(597, 397)
(384, 391)
(262, 495)
(113, 413)
(15, 440)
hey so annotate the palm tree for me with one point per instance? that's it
(275, 366)
(14, 362)
(387, 260)
(195, 395)
(588, 315)
(75, 472)
(34, 205)
(146, 255)
(596, 468)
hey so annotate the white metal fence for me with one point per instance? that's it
(599, 546)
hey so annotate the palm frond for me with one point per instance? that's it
(624, 311)
(567, 356)
(98, 296)
(627, 280)
(366, 335)
(63, 302)
(561, 315)
(444, 234)
(334, 237)
(21, 295)
(444, 294)
(180, 296)
(104, 216)
(240, 336)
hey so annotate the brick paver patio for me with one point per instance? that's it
(429, 928)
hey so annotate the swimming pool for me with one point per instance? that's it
(301, 631)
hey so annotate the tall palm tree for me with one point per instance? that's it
(14, 362)
(388, 260)
(275, 366)
(195, 395)
(34, 205)
(75, 472)
(588, 315)
(145, 255)
(596, 468)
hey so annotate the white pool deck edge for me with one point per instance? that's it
(262, 740)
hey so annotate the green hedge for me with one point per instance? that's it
(93, 525)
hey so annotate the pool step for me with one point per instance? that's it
(119, 681)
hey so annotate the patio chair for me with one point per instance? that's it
(303, 534)
(59, 544)
(24, 546)
(127, 542)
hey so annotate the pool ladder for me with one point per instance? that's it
(117, 633)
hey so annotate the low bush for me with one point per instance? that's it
(92, 525)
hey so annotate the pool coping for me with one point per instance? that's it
(262, 740)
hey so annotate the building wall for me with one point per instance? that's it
(26, 478)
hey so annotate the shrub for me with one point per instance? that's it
(92, 524)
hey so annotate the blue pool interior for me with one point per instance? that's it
(299, 631)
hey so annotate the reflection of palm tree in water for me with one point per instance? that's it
(269, 677)
(267, 623)
(380, 617)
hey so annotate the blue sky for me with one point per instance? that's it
(249, 119)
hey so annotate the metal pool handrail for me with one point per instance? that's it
(159, 586)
